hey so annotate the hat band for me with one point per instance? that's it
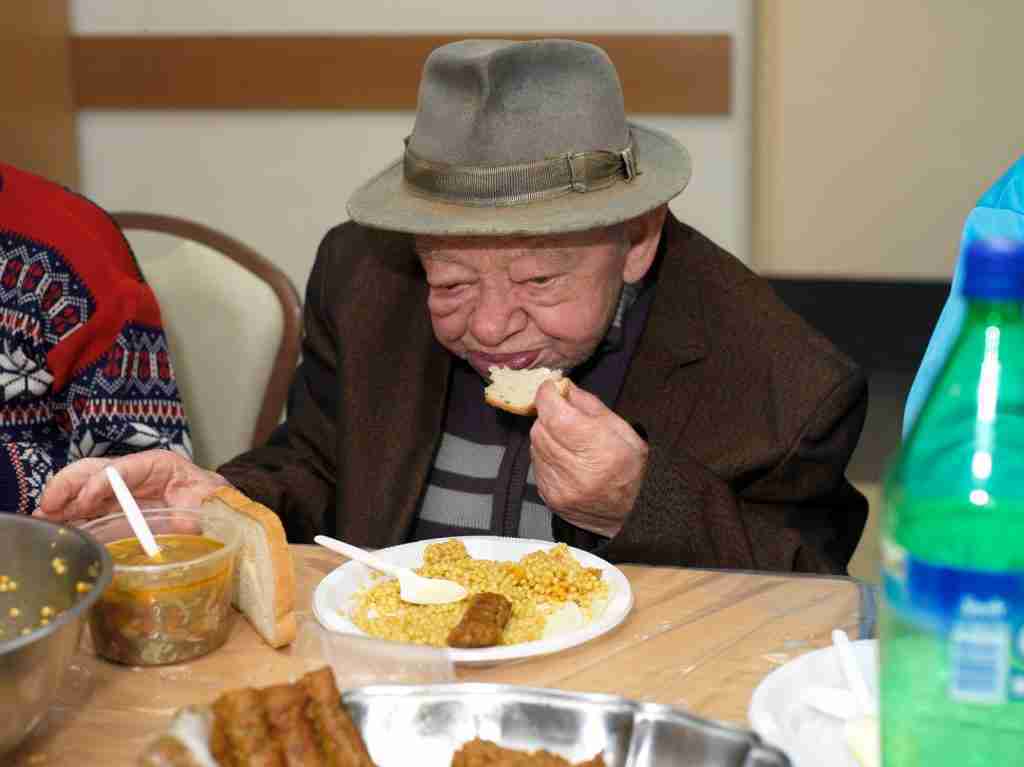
(501, 185)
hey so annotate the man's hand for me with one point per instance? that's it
(80, 491)
(589, 463)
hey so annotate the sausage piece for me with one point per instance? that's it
(285, 705)
(483, 622)
(339, 739)
(244, 730)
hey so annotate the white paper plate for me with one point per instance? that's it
(810, 738)
(332, 600)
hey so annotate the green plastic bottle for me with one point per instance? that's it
(952, 628)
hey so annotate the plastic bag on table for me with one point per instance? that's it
(358, 661)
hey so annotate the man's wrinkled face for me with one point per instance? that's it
(524, 301)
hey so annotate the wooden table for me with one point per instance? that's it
(696, 638)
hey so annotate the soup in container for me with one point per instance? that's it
(172, 608)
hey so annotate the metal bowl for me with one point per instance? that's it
(432, 721)
(47, 564)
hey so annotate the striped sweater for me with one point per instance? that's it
(482, 481)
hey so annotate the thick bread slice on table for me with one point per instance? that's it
(515, 390)
(265, 577)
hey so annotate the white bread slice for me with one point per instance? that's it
(515, 390)
(264, 577)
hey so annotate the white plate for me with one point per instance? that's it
(333, 598)
(810, 738)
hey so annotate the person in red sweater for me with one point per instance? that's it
(84, 364)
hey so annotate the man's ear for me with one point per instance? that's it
(643, 234)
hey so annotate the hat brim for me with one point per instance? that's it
(385, 201)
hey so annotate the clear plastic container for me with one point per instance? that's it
(154, 614)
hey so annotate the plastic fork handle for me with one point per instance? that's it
(851, 670)
(132, 512)
(359, 555)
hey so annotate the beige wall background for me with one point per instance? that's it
(860, 136)
(877, 127)
(279, 180)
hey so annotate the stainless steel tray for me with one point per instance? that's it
(425, 724)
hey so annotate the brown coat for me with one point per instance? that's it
(751, 416)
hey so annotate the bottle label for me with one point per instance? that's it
(978, 614)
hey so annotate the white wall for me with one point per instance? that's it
(878, 127)
(279, 180)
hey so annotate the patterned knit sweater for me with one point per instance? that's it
(84, 366)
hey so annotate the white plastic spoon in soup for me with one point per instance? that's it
(133, 513)
(411, 587)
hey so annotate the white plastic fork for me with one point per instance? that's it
(861, 731)
(854, 677)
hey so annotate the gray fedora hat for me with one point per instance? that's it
(521, 138)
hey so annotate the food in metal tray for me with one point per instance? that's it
(548, 590)
(303, 724)
(435, 720)
(484, 753)
(431, 725)
(291, 725)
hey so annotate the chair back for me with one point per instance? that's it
(233, 325)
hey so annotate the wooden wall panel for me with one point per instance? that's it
(37, 117)
(674, 74)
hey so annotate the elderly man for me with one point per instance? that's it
(526, 225)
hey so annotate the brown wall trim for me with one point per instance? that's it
(37, 118)
(669, 74)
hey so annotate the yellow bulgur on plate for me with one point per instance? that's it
(537, 585)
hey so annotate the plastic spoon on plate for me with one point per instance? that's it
(854, 706)
(854, 677)
(851, 702)
(833, 701)
(133, 513)
(411, 587)
(861, 730)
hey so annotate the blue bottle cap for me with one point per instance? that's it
(994, 270)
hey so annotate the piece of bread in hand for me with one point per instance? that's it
(264, 588)
(515, 390)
